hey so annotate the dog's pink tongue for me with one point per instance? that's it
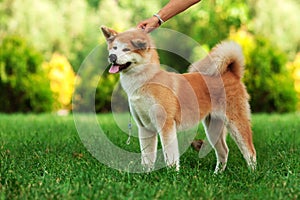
(114, 69)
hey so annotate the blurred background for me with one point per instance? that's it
(44, 42)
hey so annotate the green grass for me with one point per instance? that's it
(42, 157)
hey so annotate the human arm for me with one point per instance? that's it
(172, 8)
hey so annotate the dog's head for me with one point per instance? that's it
(127, 49)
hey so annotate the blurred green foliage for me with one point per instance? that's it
(294, 66)
(24, 85)
(268, 80)
(71, 28)
(279, 22)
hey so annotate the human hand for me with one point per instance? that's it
(149, 24)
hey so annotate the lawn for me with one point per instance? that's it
(43, 157)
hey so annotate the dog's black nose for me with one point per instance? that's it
(112, 58)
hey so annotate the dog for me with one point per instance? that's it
(163, 103)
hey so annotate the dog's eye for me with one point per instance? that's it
(115, 48)
(126, 49)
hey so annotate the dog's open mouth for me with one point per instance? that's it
(115, 67)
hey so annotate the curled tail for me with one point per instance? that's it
(226, 56)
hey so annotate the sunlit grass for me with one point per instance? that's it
(42, 157)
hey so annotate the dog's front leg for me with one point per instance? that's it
(169, 142)
(148, 145)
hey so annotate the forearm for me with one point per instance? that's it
(175, 7)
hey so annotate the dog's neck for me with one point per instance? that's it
(134, 80)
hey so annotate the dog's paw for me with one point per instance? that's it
(196, 144)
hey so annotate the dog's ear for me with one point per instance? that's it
(108, 32)
(139, 44)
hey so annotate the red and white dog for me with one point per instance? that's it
(163, 103)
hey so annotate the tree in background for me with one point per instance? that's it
(279, 21)
(211, 21)
(71, 28)
(268, 81)
(24, 85)
(294, 66)
(62, 78)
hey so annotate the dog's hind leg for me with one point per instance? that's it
(240, 131)
(216, 133)
(148, 145)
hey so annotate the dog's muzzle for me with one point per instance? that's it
(116, 67)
